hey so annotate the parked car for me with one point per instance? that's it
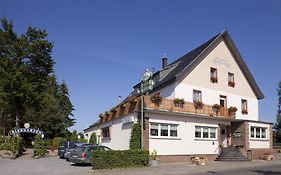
(71, 148)
(64, 146)
(84, 154)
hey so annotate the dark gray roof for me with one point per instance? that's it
(189, 61)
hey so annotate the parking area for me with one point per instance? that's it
(56, 166)
(43, 166)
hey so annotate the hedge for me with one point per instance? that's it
(135, 140)
(120, 159)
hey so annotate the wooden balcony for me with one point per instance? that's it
(134, 103)
(187, 107)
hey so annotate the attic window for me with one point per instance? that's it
(214, 75)
(231, 82)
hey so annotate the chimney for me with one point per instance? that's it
(164, 61)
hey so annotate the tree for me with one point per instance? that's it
(29, 91)
(135, 140)
(277, 126)
(93, 138)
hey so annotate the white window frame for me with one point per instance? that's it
(199, 95)
(209, 133)
(255, 133)
(159, 130)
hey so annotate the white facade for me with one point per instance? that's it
(259, 142)
(221, 58)
(185, 143)
(120, 132)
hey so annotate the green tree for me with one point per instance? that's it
(73, 136)
(29, 91)
(93, 138)
(135, 139)
(277, 126)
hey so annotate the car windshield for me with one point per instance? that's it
(80, 149)
(72, 145)
(63, 145)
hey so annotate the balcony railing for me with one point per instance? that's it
(133, 104)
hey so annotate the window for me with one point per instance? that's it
(212, 132)
(173, 130)
(244, 106)
(106, 132)
(154, 129)
(205, 132)
(223, 101)
(198, 131)
(197, 96)
(163, 130)
(213, 75)
(231, 82)
(252, 132)
(258, 132)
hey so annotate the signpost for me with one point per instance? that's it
(146, 85)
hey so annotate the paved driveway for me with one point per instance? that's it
(43, 166)
(56, 166)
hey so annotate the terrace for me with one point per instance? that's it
(153, 102)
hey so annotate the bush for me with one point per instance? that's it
(40, 147)
(93, 138)
(4, 146)
(2, 139)
(56, 142)
(120, 159)
(16, 146)
(83, 140)
(135, 140)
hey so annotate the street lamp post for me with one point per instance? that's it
(146, 85)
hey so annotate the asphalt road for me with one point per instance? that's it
(43, 166)
(260, 170)
(56, 166)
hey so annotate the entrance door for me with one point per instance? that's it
(223, 136)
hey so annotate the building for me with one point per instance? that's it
(214, 74)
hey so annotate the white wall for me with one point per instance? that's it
(259, 143)
(186, 143)
(211, 96)
(168, 91)
(120, 133)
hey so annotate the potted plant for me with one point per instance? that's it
(231, 83)
(198, 104)
(178, 102)
(232, 110)
(133, 100)
(216, 108)
(214, 79)
(101, 115)
(244, 111)
(157, 99)
(153, 158)
(113, 109)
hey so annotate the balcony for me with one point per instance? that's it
(133, 104)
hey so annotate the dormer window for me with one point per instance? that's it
(231, 82)
(214, 75)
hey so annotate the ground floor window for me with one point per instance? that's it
(163, 130)
(205, 132)
(106, 132)
(258, 132)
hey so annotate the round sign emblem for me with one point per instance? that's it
(26, 125)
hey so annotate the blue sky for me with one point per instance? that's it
(103, 47)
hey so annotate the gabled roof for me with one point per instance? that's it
(189, 61)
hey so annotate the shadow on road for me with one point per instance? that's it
(267, 172)
(81, 165)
